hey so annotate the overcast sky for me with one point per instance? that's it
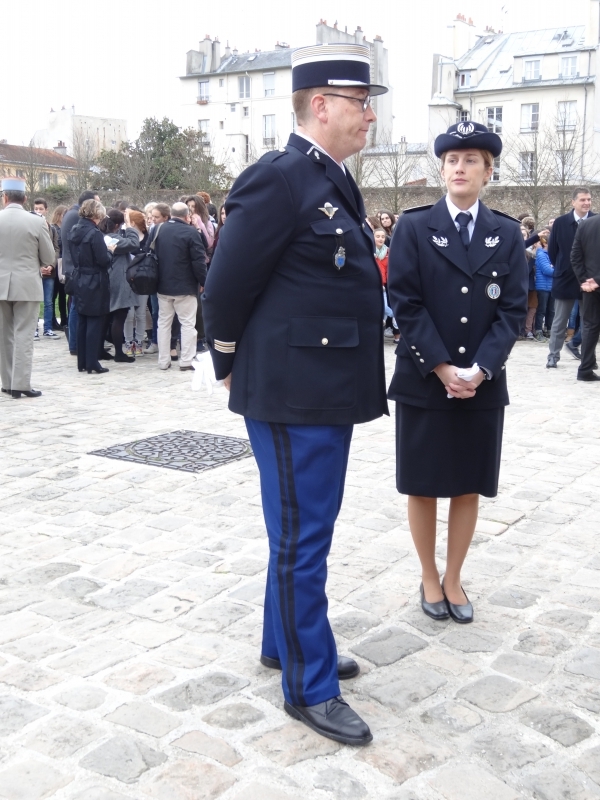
(126, 63)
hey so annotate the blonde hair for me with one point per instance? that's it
(301, 102)
(488, 160)
(92, 209)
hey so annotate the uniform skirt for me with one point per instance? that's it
(448, 453)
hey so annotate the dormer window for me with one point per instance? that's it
(568, 67)
(532, 70)
(464, 80)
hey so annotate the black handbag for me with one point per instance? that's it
(142, 272)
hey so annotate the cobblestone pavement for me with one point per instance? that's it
(130, 603)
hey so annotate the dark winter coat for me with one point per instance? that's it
(91, 261)
(181, 258)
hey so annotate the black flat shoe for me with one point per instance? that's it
(16, 393)
(122, 358)
(99, 371)
(106, 356)
(461, 614)
(588, 376)
(347, 667)
(437, 610)
(334, 719)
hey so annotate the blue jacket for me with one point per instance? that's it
(301, 335)
(543, 271)
(455, 305)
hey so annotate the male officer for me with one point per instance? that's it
(25, 249)
(293, 311)
(585, 260)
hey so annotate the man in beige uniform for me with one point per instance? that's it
(25, 250)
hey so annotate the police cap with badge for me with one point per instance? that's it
(468, 136)
(336, 65)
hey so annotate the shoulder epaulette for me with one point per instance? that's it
(502, 214)
(273, 155)
(417, 208)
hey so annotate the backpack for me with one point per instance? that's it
(142, 272)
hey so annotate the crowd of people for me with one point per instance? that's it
(100, 313)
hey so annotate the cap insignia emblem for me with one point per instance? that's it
(329, 210)
(465, 128)
(441, 241)
(492, 241)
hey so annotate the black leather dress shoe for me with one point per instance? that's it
(347, 667)
(16, 393)
(99, 370)
(437, 610)
(551, 364)
(6, 391)
(106, 356)
(573, 349)
(588, 376)
(462, 614)
(334, 719)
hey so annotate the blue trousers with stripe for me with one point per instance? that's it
(302, 473)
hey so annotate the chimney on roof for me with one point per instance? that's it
(234, 52)
(227, 53)
(61, 149)
(592, 33)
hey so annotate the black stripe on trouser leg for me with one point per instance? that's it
(286, 561)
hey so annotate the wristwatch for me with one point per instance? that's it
(487, 374)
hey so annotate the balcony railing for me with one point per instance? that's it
(532, 80)
(202, 99)
(269, 141)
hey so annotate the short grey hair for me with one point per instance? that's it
(180, 210)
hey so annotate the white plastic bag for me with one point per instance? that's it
(204, 374)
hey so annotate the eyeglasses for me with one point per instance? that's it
(364, 103)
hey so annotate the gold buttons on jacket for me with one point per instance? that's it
(324, 341)
(461, 350)
(464, 290)
(464, 319)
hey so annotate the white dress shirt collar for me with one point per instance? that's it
(455, 211)
(321, 149)
(578, 218)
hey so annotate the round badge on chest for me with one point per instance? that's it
(493, 291)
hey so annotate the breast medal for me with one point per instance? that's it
(339, 258)
(493, 291)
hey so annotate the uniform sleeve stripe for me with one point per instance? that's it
(224, 347)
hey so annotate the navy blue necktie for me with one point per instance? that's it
(463, 220)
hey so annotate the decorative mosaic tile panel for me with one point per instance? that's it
(189, 451)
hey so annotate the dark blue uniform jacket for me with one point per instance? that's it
(440, 294)
(302, 339)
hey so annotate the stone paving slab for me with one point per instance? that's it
(131, 607)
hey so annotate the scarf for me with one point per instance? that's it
(381, 252)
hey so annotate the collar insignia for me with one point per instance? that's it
(492, 241)
(441, 242)
(329, 210)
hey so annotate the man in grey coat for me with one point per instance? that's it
(25, 250)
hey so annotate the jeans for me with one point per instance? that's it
(73, 320)
(137, 317)
(573, 318)
(48, 284)
(154, 306)
(545, 310)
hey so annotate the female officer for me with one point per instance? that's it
(458, 288)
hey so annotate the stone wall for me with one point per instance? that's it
(510, 199)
